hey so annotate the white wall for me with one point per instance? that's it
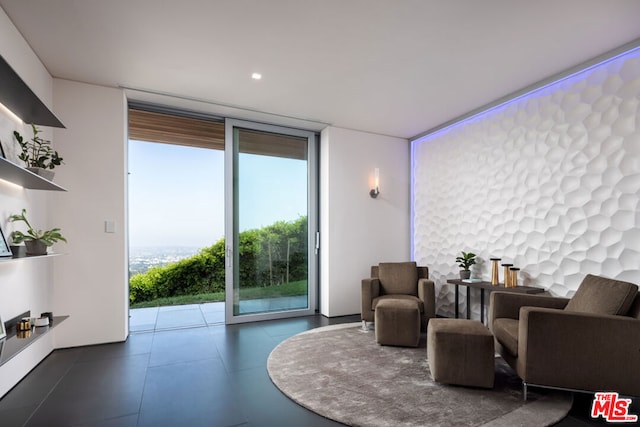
(91, 281)
(550, 182)
(356, 230)
(25, 284)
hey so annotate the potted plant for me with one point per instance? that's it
(37, 154)
(36, 241)
(465, 261)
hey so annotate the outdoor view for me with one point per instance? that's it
(176, 226)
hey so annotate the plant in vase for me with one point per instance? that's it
(36, 241)
(464, 262)
(37, 154)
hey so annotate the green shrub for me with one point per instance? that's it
(142, 287)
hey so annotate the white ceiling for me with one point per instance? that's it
(394, 67)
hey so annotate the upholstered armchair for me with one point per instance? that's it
(398, 280)
(590, 342)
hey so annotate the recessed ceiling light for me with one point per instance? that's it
(256, 76)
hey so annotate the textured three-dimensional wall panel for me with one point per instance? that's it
(549, 182)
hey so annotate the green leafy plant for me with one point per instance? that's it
(37, 152)
(48, 237)
(466, 260)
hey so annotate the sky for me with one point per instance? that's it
(176, 193)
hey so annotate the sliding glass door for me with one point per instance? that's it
(271, 222)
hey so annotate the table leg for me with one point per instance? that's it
(457, 301)
(468, 302)
(482, 305)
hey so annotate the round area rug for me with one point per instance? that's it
(341, 373)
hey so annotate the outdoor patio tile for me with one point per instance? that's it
(180, 318)
(212, 307)
(214, 317)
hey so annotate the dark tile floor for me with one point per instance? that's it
(206, 376)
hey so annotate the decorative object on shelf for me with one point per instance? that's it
(495, 277)
(18, 251)
(464, 262)
(35, 240)
(514, 277)
(24, 325)
(5, 250)
(48, 315)
(3, 331)
(37, 154)
(376, 184)
(507, 275)
(41, 321)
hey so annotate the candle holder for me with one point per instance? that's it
(495, 279)
(507, 275)
(24, 324)
(514, 277)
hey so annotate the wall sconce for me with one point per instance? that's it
(376, 190)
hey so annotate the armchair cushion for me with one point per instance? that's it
(398, 278)
(600, 295)
(506, 332)
(411, 298)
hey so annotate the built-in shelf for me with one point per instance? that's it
(11, 172)
(19, 98)
(18, 258)
(12, 345)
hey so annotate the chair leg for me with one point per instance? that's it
(524, 390)
(364, 326)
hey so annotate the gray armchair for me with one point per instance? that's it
(398, 280)
(590, 342)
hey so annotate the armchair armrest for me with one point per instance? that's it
(427, 294)
(582, 351)
(370, 289)
(507, 304)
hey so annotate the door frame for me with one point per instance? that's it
(231, 254)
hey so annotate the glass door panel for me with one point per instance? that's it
(271, 255)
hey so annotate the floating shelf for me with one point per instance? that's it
(19, 98)
(18, 175)
(18, 258)
(12, 345)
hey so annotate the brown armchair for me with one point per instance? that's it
(590, 342)
(398, 280)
